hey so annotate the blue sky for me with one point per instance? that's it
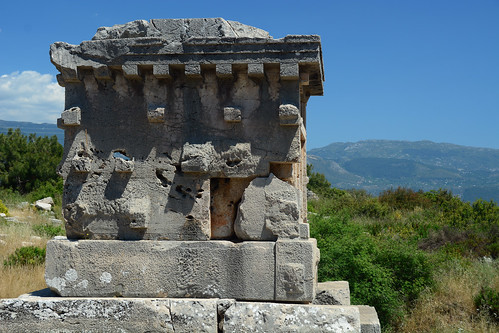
(402, 70)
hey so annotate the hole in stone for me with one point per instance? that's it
(232, 163)
(190, 217)
(225, 196)
(188, 189)
(161, 175)
(121, 154)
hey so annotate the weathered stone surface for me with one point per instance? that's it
(202, 269)
(296, 270)
(289, 115)
(71, 117)
(369, 321)
(276, 317)
(154, 91)
(270, 208)
(43, 206)
(332, 293)
(55, 314)
(232, 114)
(42, 312)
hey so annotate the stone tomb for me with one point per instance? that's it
(185, 182)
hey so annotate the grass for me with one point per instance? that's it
(421, 258)
(449, 307)
(18, 280)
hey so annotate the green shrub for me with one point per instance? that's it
(49, 230)
(404, 198)
(386, 274)
(27, 255)
(3, 208)
(487, 302)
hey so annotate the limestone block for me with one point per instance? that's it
(57, 314)
(289, 71)
(232, 114)
(269, 208)
(193, 70)
(296, 270)
(131, 71)
(332, 293)
(71, 117)
(278, 317)
(369, 321)
(123, 166)
(161, 71)
(256, 70)
(201, 269)
(138, 28)
(156, 115)
(224, 70)
(289, 115)
(304, 230)
(197, 157)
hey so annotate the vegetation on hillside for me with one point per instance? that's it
(27, 172)
(28, 163)
(406, 252)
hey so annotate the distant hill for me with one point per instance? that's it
(376, 165)
(28, 128)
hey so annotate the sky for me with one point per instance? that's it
(396, 70)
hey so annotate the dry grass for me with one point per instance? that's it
(16, 281)
(450, 307)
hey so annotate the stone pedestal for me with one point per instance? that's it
(30, 313)
(265, 271)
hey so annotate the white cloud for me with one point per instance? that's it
(30, 96)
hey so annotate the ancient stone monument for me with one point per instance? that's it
(185, 184)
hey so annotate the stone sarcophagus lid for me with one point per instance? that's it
(186, 138)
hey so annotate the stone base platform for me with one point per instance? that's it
(30, 313)
(251, 271)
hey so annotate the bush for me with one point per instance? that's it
(27, 255)
(487, 302)
(3, 208)
(27, 163)
(404, 199)
(49, 230)
(387, 275)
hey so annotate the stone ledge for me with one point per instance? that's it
(60, 314)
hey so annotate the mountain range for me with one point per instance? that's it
(377, 165)
(28, 128)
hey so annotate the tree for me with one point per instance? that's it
(28, 163)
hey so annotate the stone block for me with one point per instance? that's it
(131, 71)
(332, 293)
(161, 71)
(122, 165)
(156, 115)
(56, 314)
(369, 321)
(193, 71)
(232, 114)
(278, 317)
(71, 117)
(203, 269)
(224, 70)
(256, 70)
(296, 270)
(289, 71)
(269, 208)
(289, 115)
